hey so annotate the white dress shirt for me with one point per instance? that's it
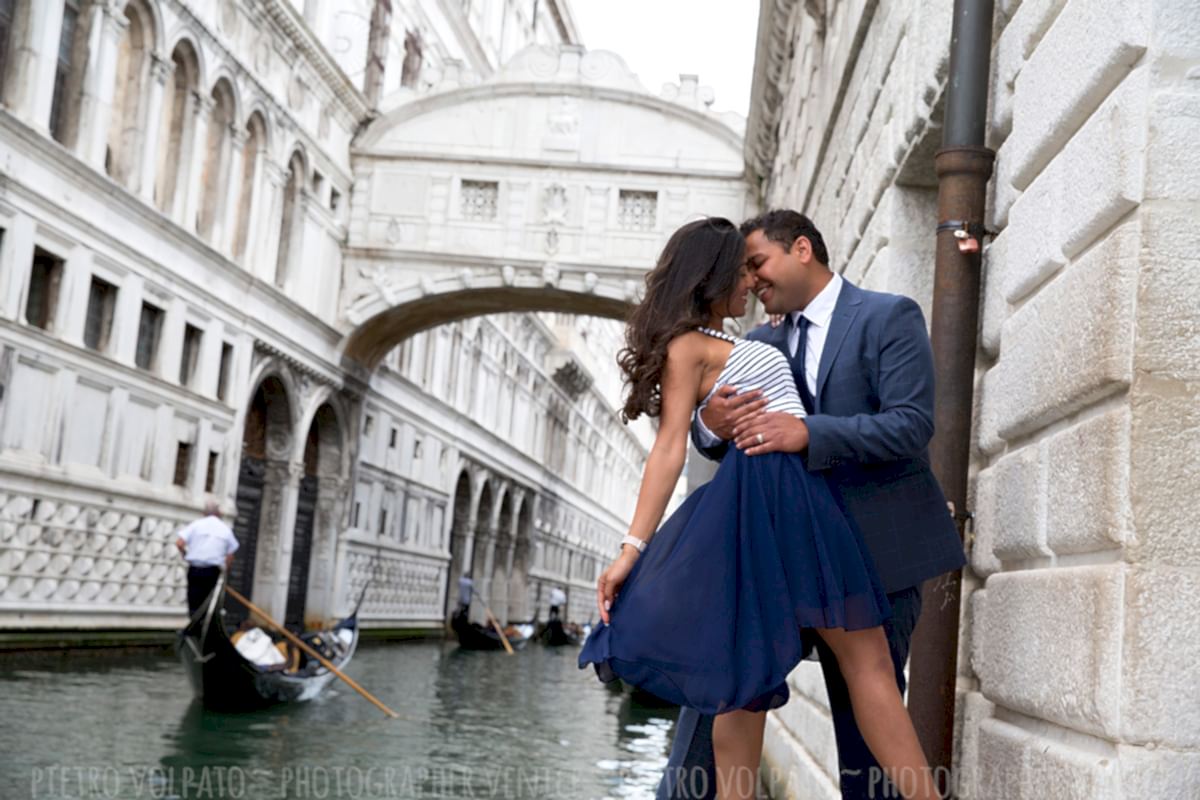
(819, 313)
(207, 542)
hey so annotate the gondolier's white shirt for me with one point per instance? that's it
(208, 541)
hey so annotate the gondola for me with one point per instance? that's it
(224, 680)
(555, 634)
(473, 636)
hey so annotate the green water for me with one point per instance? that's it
(473, 725)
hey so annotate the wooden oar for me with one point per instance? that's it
(495, 624)
(296, 640)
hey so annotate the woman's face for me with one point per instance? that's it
(734, 304)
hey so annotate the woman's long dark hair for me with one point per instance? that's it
(699, 266)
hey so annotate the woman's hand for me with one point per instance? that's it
(611, 580)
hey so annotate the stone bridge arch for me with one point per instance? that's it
(549, 187)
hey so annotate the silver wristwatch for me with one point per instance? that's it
(633, 541)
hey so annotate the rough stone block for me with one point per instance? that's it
(1066, 773)
(1175, 32)
(1087, 485)
(1048, 644)
(1035, 250)
(1003, 753)
(1168, 325)
(1016, 764)
(991, 396)
(1102, 166)
(1003, 193)
(807, 680)
(1158, 772)
(1161, 664)
(982, 552)
(1172, 169)
(788, 771)
(1085, 53)
(1069, 345)
(995, 307)
(812, 725)
(1165, 472)
(1012, 505)
(973, 709)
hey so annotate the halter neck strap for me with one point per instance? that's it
(717, 334)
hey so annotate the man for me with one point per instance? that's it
(466, 590)
(558, 599)
(864, 367)
(207, 545)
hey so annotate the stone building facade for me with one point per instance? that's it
(1079, 654)
(195, 237)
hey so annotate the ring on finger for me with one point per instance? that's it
(760, 438)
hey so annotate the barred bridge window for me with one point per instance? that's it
(479, 199)
(637, 211)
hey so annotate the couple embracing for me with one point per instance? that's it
(821, 523)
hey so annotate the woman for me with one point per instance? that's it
(710, 614)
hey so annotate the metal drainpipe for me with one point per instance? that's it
(963, 167)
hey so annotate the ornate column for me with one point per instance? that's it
(482, 559)
(225, 226)
(332, 501)
(271, 218)
(99, 81)
(276, 529)
(161, 70)
(194, 176)
(30, 89)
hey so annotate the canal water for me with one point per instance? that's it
(473, 725)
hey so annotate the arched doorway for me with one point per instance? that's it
(460, 539)
(267, 427)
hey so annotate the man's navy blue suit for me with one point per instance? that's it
(869, 428)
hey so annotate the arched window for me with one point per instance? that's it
(126, 126)
(72, 58)
(290, 227)
(177, 115)
(256, 139)
(214, 180)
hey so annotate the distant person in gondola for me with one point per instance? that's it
(207, 545)
(558, 599)
(466, 589)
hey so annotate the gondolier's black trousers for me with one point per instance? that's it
(201, 581)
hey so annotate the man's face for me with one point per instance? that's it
(780, 274)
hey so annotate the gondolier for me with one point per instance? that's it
(207, 545)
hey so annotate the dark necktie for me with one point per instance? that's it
(801, 371)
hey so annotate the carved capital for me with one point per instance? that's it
(161, 68)
(202, 105)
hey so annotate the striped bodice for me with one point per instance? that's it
(758, 365)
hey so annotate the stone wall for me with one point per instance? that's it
(1078, 660)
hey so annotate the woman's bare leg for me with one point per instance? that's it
(866, 663)
(737, 749)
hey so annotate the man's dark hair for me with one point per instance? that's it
(784, 226)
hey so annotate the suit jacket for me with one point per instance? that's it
(870, 429)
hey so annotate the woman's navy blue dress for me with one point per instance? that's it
(711, 615)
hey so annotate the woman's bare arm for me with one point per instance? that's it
(680, 389)
(681, 379)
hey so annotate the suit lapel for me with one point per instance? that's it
(848, 304)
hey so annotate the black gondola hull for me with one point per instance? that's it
(224, 680)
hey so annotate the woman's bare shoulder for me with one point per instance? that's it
(688, 348)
